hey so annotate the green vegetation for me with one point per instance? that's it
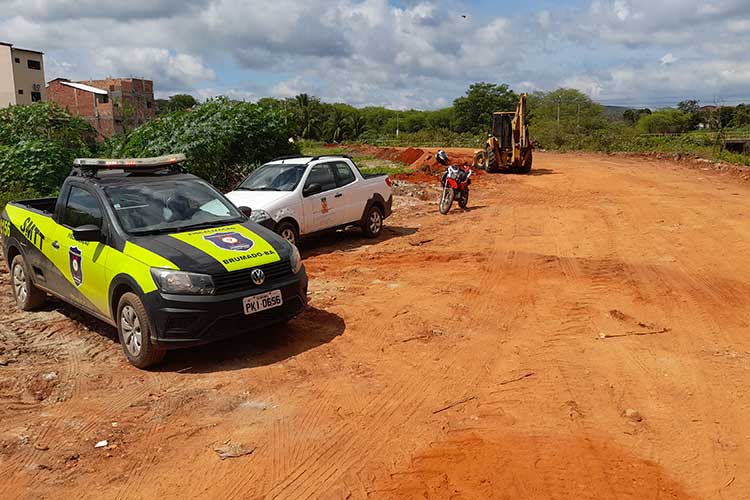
(177, 102)
(563, 119)
(222, 139)
(38, 144)
(225, 139)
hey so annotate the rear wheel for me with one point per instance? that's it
(491, 160)
(27, 295)
(287, 231)
(446, 200)
(134, 330)
(373, 222)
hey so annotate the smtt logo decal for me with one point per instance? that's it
(230, 241)
(75, 265)
(324, 205)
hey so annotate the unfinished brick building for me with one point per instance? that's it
(111, 106)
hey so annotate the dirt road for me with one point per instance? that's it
(579, 333)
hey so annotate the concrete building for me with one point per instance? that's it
(110, 105)
(21, 76)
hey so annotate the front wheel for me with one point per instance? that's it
(463, 201)
(287, 231)
(27, 295)
(373, 222)
(526, 167)
(480, 161)
(134, 330)
(446, 200)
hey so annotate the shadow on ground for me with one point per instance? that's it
(542, 171)
(313, 328)
(348, 239)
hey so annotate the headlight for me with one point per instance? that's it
(295, 260)
(259, 216)
(180, 282)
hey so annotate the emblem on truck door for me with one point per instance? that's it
(75, 265)
(230, 241)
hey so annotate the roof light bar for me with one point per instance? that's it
(158, 161)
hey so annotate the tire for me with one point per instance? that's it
(463, 201)
(480, 161)
(446, 200)
(491, 164)
(288, 231)
(134, 330)
(373, 222)
(27, 295)
(526, 167)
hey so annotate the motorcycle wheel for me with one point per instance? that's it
(446, 200)
(464, 199)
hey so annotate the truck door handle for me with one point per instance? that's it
(55, 245)
(338, 195)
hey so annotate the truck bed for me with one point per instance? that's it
(44, 205)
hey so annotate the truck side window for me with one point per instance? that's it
(322, 174)
(344, 174)
(81, 208)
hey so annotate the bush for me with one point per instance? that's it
(38, 144)
(222, 139)
(664, 121)
(36, 165)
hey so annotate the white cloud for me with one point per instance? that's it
(668, 58)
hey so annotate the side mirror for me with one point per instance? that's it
(88, 232)
(312, 189)
(246, 211)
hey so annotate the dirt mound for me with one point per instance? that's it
(410, 155)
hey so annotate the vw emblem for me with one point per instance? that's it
(258, 276)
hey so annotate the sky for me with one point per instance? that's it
(397, 53)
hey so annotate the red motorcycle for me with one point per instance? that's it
(456, 181)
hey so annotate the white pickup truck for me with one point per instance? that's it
(298, 196)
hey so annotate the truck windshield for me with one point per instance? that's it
(274, 177)
(169, 206)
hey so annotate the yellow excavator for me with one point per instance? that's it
(509, 145)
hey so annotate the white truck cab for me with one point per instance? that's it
(301, 195)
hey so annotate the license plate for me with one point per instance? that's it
(262, 301)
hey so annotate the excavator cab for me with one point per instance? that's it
(508, 146)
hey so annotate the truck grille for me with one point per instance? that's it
(236, 281)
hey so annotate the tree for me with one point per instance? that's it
(335, 125)
(726, 116)
(181, 102)
(563, 116)
(631, 116)
(474, 110)
(308, 110)
(664, 121)
(221, 139)
(741, 116)
(356, 124)
(38, 144)
(692, 110)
